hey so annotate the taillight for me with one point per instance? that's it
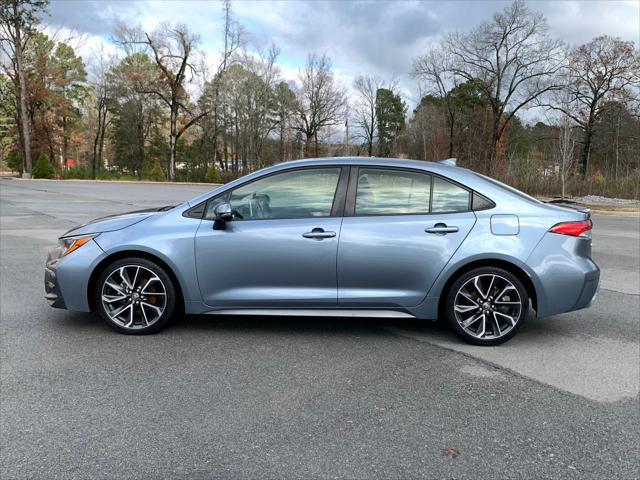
(575, 229)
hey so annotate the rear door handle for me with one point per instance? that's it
(441, 228)
(319, 233)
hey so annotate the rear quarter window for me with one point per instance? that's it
(447, 197)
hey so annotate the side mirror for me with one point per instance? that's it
(223, 212)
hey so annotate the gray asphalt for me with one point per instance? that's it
(304, 398)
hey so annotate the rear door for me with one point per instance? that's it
(400, 229)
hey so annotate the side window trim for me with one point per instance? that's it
(350, 205)
(337, 206)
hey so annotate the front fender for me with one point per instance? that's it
(172, 243)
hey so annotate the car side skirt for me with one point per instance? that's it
(313, 312)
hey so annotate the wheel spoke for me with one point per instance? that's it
(466, 308)
(468, 297)
(125, 277)
(497, 324)
(157, 309)
(130, 317)
(143, 289)
(113, 298)
(135, 278)
(505, 290)
(484, 326)
(115, 286)
(476, 282)
(470, 321)
(493, 278)
(144, 314)
(508, 317)
(119, 311)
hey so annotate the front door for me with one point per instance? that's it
(280, 248)
(402, 229)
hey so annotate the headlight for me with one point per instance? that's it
(71, 244)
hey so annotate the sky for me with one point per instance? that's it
(361, 37)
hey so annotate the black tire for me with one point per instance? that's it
(497, 313)
(168, 305)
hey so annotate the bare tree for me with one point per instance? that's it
(100, 96)
(565, 151)
(17, 21)
(172, 48)
(599, 71)
(432, 70)
(321, 100)
(365, 116)
(513, 59)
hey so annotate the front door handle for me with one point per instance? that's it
(441, 228)
(319, 233)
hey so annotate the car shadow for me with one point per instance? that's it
(302, 325)
(268, 324)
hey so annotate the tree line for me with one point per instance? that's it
(161, 109)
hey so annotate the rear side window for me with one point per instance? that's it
(392, 192)
(448, 197)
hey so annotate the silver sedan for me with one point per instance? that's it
(367, 237)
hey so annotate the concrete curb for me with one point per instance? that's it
(78, 180)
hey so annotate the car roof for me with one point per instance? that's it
(457, 174)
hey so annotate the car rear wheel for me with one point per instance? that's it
(487, 305)
(135, 296)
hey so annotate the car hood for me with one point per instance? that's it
(111, 223)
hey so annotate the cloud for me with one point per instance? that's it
(371, 37)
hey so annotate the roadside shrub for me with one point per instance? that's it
(14, 161)
(212, 175)
(74, 173)
(157, 174)
(42, 168)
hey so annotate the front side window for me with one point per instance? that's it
(296, 194)
(448, 197)
(392, 192)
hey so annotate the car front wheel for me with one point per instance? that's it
(135, 296)
(487, 305)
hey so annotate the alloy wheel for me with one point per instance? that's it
(133, 297)
(487, 306)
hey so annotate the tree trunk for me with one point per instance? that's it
(586, 146)
(315, 142)
(22, 99)
(65, 143)
(307, 144)
(495, 138)
(173, 141)
(586, 150)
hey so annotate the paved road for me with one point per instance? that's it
(304, 398)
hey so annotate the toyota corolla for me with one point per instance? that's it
(335, 237)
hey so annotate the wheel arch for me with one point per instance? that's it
(511, 267)
(104, 263)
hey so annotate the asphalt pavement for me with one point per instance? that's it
(238, 397)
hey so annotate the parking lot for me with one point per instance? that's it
(252, 397)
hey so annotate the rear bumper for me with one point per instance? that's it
(566, 277)
(589, 289)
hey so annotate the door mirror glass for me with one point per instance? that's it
(223, 212)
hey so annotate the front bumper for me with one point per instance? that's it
(66, 279)
(51, 286)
